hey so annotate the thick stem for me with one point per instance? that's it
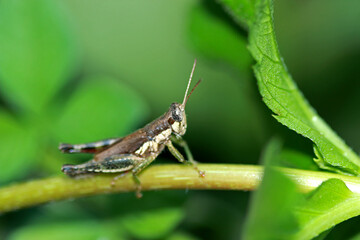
(170, 176)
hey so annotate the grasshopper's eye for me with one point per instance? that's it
(176, 112)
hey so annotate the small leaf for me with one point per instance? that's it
(320, 161)
(69, 230)
(152, 225)
(17, 148)
(331, 203)
(216, 38)
(101, 108)
(279, 212)
(36, 51)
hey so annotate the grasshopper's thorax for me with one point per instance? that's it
(159, 131)
(177, 118)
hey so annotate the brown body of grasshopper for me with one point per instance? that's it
(136, 151)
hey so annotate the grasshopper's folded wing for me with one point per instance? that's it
(94, 147)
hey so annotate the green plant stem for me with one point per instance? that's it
(169, 176)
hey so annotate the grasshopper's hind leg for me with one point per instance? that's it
(121, 163)
(180, 157)
(113, 164)
(77, 170)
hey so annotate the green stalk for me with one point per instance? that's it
(169, 176)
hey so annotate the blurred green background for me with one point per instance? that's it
(82, 70)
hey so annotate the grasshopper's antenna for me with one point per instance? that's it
(188, 86)
(187, 98)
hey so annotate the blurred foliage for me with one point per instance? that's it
(282, 213)
(217, 38)
(82, 70)
(155, 224)
(37, 54)
(295, 159)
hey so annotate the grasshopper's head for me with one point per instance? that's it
(177, 118)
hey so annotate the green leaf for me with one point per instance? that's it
(331, 203)
(214, 37)
(36, 51)
(153, 225)
(69, 230)
(17, 148)
(101, 108)
(270, 211)
(282, 96)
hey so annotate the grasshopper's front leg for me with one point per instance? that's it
(178, 140)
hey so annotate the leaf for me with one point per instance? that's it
(17, 148)
(153, 225)
(69, 230)
(212, 35)
(270, 215)
(331, 203)
(101, 108)
(282, 96)
(36, 51)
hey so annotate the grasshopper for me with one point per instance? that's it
(136, 151)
